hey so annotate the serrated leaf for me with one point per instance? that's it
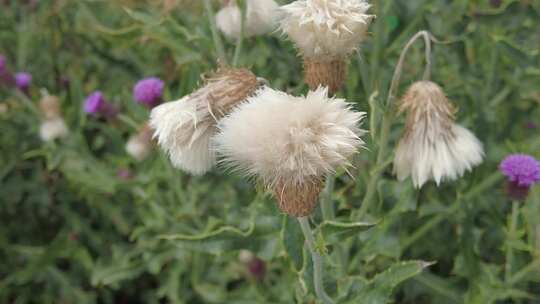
(334, 231)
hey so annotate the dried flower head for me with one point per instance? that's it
(53, 126)
(327, 28)
(23, 80)
(290, 143)
(149, 91)
(521, 169)
(261, 18)
(433, 146)
(326, 32)
(139, 145)
(52, 129)
(184, 127)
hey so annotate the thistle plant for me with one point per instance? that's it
(333, 179)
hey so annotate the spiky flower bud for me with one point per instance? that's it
(290, 143)
(433, 146)
(326, 32)
(184, 127)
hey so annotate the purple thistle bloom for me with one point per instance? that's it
(96, 104)
(23, 80)
(149, 91)
(521, 169)
(2, 63)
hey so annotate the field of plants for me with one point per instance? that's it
(259, 185)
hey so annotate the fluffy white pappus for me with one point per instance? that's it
(287, 140)
(332, 28)
(52, 129)
(433, 146)
(182, 130)
(261, 18)
(138, 147)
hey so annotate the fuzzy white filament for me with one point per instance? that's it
(332, 28)
(433, 146)
(261, 18)
(183, 128)
(286, 140)
(52, 129)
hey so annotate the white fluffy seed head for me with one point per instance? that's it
(288, 141)
(261, 18)
(139, 145)
(52, 129)
(183, 128)
(326, 28)
(433, 147)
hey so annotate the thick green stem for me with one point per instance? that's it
(240, 40)
(317, 262)
(218, 44)
(511, 235)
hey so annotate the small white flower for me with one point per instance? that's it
(433, 147)
(184, 127)
(329, 28)
(139, 145)
(261, 18)
(52, 129)
(290, 143)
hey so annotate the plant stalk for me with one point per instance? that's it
(388, 118)
(218, 44)
(511, 234)
(240, 40)
(317, 262)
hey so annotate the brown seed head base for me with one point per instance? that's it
(298, 200)
(230, 86)
(50, 106)
(328, 73)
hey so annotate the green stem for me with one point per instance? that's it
(524, 272)
(511, 235)
(220, 50)
(327, 207)
(317, 262)
(240, 40)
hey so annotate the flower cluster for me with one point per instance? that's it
(53, 125)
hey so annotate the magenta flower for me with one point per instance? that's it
(2, 63)
(96, 104)
(521, 169)
(149, 91)
(23, 81)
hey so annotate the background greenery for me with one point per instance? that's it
(72, 231)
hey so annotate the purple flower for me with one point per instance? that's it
(521, 169)
(23, 81)
(96, 104)
(149, 91)
(2, 63)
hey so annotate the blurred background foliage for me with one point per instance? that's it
(74, 230)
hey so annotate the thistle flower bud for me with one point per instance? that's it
(255, 266)
(433, 145)
(326, 32)
(139, 145)
(522, 172)
(23, 81)
(290, 143)
(184, 127)
(96, 104)
(261, 18)
(53, 126)
(149, 91)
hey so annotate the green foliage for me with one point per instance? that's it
(74, 232)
